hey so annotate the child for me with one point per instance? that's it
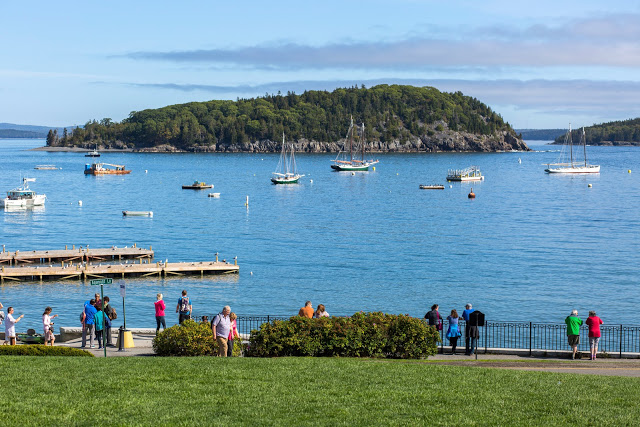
(47, 326)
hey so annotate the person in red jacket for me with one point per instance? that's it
(594, 322)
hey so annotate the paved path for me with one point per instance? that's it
(142, 347)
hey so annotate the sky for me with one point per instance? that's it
(539, 65)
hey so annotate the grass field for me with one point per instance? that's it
(302, 391)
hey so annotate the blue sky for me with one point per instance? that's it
(65, 63)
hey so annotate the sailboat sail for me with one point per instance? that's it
(568, 162)
(287, 171)
(345, 161)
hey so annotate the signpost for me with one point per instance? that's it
(123, 293)
(102, 282)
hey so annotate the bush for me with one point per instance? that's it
(361, 335)
(42, 350)
(189, 339)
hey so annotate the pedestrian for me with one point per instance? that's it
(573, 331)
(100, 320)
(233, 333)
(594, 322)
(1, 313)
(110, 312)
(10, 328)
(220, 327)
(453, 331)
(160, 306)
(89, 323)
(468, 330)
(47, 325)
(320, 312)
(306, 311)
(98, 300)
(184, 307)
(434, 318)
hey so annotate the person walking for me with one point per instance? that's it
(184, 307)
(220, 327)
(89, 323)
(110, 312)
(1, 314)
(100, 320)
(469, 332)
(306, 311)
(434, 318)
(160, 306)
(10, 327)
(233, 333)
(594, 322)
(573, 331)
(453, 331)
(320, 312)
(47, 326)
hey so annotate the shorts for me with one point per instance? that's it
(48, 335)
(593, 341)
(574, 340)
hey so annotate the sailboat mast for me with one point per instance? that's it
(284, 155)
(362, 142)
(584, 144)
(351, 141)
(570, 145)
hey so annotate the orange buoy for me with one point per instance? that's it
(472, 195)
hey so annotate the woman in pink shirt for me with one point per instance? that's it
(160, 314)
(594, 323)
(233, 333)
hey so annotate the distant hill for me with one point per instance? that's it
(541, 134)
(12, 130)
(397, 118)
(618, 133)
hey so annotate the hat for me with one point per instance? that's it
(468, 305)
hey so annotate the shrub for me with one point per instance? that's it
(189, 339)
(42, 350)
(361, 335)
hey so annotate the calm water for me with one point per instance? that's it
(531, 246)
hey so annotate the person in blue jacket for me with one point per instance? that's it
(89, 323)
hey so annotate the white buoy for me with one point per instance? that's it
(145, 171)
(79, 202)
(311, 181)
(247, 202)
(251, 273)
(353, 173)
(590, 186)
(519, 160)
(450, 186)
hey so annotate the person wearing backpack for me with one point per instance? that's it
(184, 308)
(112, 315)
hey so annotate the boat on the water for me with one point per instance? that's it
(100, 169)
(138, 213)
(23, 196)
(47, 167)
(472, 173)
(197, 185)
(286, 171)
(432, 187)
(345, 160)
(572, 165)
(214, 195)
(94, 153)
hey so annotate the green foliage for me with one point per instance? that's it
(389, 112)
(627, 131)
(361, 335)
(189, 339)
(42, 350)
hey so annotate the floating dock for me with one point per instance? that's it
(82, 271)
(74, 255)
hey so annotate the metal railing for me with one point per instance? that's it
(615, 339)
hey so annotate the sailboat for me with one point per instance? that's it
(573, 166)
(286, 172)
(346, 161)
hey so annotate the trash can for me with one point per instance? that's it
(125, 339)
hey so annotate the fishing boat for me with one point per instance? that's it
(93, 153)
(286, 171)
(432, 187)
(23, 196)
(138, 213)
(46, 167)
(197, 185)
(345, 161)
(573, 165)
(100, 169)
(472, 173)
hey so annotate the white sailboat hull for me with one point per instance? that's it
(574, 169)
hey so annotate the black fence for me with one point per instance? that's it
(615, 340)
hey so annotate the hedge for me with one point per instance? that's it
(189, 339)
(42, 350)
(361, 335)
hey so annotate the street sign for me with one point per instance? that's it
(95, 282)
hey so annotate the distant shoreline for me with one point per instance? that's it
(80, 150)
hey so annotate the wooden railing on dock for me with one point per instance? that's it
(74, 255)
(82, 271)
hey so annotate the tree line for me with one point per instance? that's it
(390, 113)
(620, 131)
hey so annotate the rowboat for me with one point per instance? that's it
(138, 213)
(432, 187)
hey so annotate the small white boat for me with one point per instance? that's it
(23, 196)
(138, 213)
(47, 167)
(214, 195)
(432, 187)
(472, 173)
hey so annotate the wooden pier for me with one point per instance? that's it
(82, 271)
(74, 255)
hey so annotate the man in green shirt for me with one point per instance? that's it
(573, 331)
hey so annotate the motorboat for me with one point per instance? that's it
(23, 196)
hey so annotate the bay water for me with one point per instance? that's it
(530, 247)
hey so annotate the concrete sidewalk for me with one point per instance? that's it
(142, 343)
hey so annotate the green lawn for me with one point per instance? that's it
(301, 391)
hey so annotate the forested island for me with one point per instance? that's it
(618, 133)
(397, 119)
(541, 134)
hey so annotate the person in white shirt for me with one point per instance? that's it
(9, 327)
(47, 326)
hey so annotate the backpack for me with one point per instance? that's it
(112, 313)
(82, 316)
(184, 305)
